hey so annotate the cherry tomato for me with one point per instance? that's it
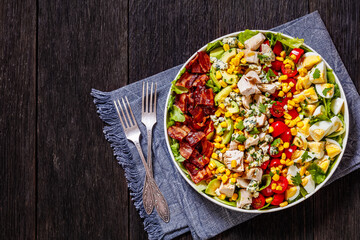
(279, 119)
(276, 65)
(278, 198)
(275, 162)
(267, 192)
(289, 151)
(286, 136)
(293, 89)
(276, 155)
(278, 48)
(283, 182)
(258, 202)
(288, 71)
(293, 113)
(277, 110)
(265, 164)
(279, 128)
(298, 52)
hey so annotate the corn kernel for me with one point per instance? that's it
(223, 84)
(304, 181)
(279, 59)
(218, 113)
(271, 120)
(240, 45)
(290, 102)
(235, 175)
(283, 204)
(218, 75)
(286, 145)
(236, 90)
(283, 77)
(281, 147)
(281, 94)
(224, 178)
(302, 72)
(211, 167)
(233, 180)
(300, 124)
(289, 94)
(226, 47)
(223, 150)
(282, 161)
(222, 196)
(287, 121)
(286, 115)
(213, 172)
(234, 197)
(283, 54)
(279, 188)
(276, 177)
(302, 171)
(241, 147)
(243, 61)
(290, 107)
(283, 156)
(291, 84)
(233, 164)
(217, 145)
(273, 186)
(221, 105)
(271, 129)
(227, 172)
(223, 124)
(293, 131)
(214, 156)
(218, 139)
(290, 163)
(228, 114)
(221, 169)
(268, 200)
(288, 66)
(285, 171)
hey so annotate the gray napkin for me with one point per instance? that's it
(189, 210)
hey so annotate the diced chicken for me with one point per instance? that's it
(233, 145)
(251, 141)
(254, 42)
(265, 146)
(259, 98)
(228, 189)
(246, 88)
(246, 100)
(249, 158)
(254, 67)
(242, 183)
(252, 77)
(245, 199)
(260, 120)
(236, 155)
(268, 87)
(266, 50)
(251, 56)
(253, 174)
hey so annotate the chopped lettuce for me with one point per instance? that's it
(272, 38)
(316, 173)
(171, 102)
(175, 148)
(176, 114)
(243, 36)
(290, 42)
(213, 45)
(178, 89)
(331, 79)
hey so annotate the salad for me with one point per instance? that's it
(256, 121)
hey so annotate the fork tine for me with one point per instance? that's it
(117, 109)
(127, 113)
(151, 98)
(123, 114)
(133, 117)
(143, 98)
(155, 93)
(147, 97)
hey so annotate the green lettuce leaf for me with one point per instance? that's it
(178, 89)
(290, 42)
(176, 114)
(213, 45)
(243, 36)
(316, 173)
(175, 148)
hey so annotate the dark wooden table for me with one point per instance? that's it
(59, 179)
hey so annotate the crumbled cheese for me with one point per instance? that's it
(218, 64)
(232, 41)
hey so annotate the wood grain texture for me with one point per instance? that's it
(17, 119)
(82, 192)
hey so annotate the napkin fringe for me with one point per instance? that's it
(106, 111)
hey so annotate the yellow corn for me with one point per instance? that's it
(223, 150)
(268, 200)
(281, 94)
(217, 145)
(290, 163)
(234, 197)
(290, 107)
(281, 147)
(214, 156)
(222, 196)
(286, 145)
(282, 161)
(303, 72)
(283, 54)
(285, 171)
(279, 59)
(298, 109)
(271, 129)
(271, 120)
(226, 47)
(293, 57)
(218, 139)
(304, 181)
(233, 164)
(287, 121)
(273, 186)
(236, 90)
(218, 113)
(223, 124)
(287, 66)
(291, 84)
(228, 114)
(283, 156)
(293, 131)
(279, 188)
(283, 77)
(276, 177)
(227, 172)
(221, 105)
(300, 124)
(283, 204)
(307, 173)
(224, 178)
(243, 61)
(240, 45)
(235, 175)
(218, 177)
(223, 84)
(302, 171)
(289, 94)
(212, 165)
(218, 75)
(241, 147)
(287, 116)
(290, 102)
(233, 180)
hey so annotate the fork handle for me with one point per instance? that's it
(149, 153)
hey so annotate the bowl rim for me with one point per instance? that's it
(256, 211)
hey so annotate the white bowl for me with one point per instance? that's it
(192, 184)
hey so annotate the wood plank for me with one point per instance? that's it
(82, 192)
(17, 119)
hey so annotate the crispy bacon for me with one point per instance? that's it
(180, 101)
(194, 137)
(200, 80)
(190, 102)
(207, 97)
(197, 113)
(204, 61)
(198, 159)
(209, 110)
(185, 150)
(177, 132)
(196, 174)
(194, 60)
(186, 80)
(209, 127)
(200, 175)
(207, 147)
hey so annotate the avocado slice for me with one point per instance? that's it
(234, 108)
(201, 186)
(228, 55)
(229, 78)
(212, 186)
(233, 204)
(228, 133)
(213, 77)
(210, 135)
(217, 52)
(219, 130)
(220, 96)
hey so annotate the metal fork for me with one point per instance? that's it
(148, 118)
(133, 133)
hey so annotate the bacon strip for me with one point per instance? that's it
(198, 159)
(194, 137)
(177, 132)
(180, 101)
(207, 147)
(207, 97)
(185, 150)
(197, 113)
(204, 61)
(200, 80)
(186, 80)
(209, 127)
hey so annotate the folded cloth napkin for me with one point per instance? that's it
(189, 210)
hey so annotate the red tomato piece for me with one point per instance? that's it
(278, 198)
(289, 151)
(293, 113)
(279, 119)
(278, 48)
(279, 128)
(276, 65)
(267, 192)
(275, 162)
(286, 136)
(277, 110)
(283, 182)
(298, 52)
(293, 89)
(258, 202)
(288, 71)
(265, 164)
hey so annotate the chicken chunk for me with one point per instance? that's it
(233, 145)
(253, 77)
(253, 174)
(245, 199)
(259, 98)
(236, 155)
(251, 56)
(254, 42)
(246, 100)
(260, 120)
(228, 189)
(251, 141)
(267, 51)
(269, 87)
(246, 88)
(242, 183)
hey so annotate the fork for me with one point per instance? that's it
(132, 133)
(148, 118)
